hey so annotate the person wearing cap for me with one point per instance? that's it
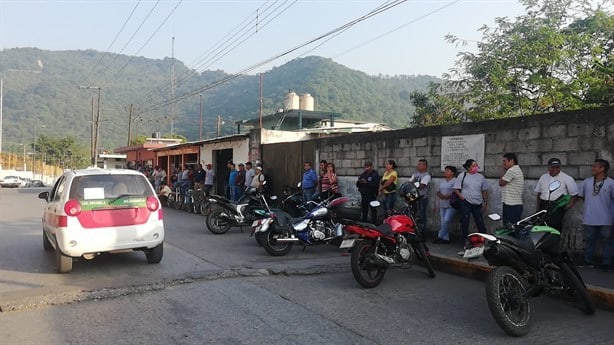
(368, 184)
(544, 196)
(258, 179)
(209, 179)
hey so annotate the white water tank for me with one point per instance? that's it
(291, 101)
(306, 102)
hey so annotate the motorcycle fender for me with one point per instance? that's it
(264, 225)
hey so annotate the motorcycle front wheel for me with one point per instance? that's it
(366, 274)
(269, 243)
(509, 307)
(216, 223)
(579, 289)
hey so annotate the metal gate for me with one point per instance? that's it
(283, 163)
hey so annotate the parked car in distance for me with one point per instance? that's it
(94, 211)
(35, 183)
(11, 182)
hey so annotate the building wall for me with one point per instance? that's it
(240, 150)
(577, 138)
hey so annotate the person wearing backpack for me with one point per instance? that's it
(446, 211)
(258, 180)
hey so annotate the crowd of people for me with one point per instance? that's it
(466, 194)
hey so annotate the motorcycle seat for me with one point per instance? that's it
(525, 244)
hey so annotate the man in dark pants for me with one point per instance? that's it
(368, 184)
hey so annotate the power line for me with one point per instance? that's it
(376, 11)
(129, 40)
(221, 47)
(397, 28)
(113, 42)
(148, 40)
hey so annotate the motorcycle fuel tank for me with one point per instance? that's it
(400, 223)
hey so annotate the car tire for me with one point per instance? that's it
(63, 262)
(154, 255)
(46, 244)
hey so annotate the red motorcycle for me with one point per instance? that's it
(395, 243)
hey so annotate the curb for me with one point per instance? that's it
(602, 297)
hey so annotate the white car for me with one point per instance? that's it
(11, 182)
(94, 211)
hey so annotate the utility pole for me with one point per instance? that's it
(173, 85)
(260, 101)
(219, 119)
(95, 124)
(130, 125)
(200, 132)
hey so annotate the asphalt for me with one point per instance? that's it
(600, 283)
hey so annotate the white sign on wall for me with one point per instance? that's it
(456, 150)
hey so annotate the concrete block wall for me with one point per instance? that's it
(576, 137)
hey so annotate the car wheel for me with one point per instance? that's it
(46, 244)
(154, 255)
(63, 262)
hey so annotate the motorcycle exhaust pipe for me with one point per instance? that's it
(287, 240)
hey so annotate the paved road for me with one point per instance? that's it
(227, 290)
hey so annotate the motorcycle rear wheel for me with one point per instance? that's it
(505, 290)
(420, 250)
(367, 277)
(269, 243)
(259, 239)
(216, 223)
(579, 290)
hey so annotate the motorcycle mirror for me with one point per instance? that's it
(374, 203)
(274, 197)
(554, 185)
(417, 184)
(494, 216)
(298, 185)
(264, 182)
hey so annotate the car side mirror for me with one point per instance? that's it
(43, 195)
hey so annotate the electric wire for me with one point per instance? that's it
(148, 40)
(376, 11)
(193, 71)
(397, 28)
(125, 45)
(113, 42)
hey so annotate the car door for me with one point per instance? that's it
(54, 208)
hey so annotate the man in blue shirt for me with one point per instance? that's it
(310, 180)
(598, 216)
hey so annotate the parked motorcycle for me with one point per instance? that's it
(292, 201)
(225, 213)
(528, 262)
(394, 244)
(320, 226)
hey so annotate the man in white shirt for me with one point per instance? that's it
(568, 186)
(249, 174)
(424, 178)
(512, 186)
(209, 179)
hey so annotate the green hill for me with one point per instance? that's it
(50, 95)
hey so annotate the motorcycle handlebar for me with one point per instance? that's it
(531, 216)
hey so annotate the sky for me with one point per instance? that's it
(407, 39)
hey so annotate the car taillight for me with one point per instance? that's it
(152, 203)
(72, 208)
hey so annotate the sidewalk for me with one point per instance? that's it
(445, 258)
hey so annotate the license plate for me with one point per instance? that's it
(473, 252)
(349, 243)
(255, 223)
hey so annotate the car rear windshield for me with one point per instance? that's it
(95, 187)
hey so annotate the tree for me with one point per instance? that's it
(557, 56)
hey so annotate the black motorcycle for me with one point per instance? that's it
(292, 201)
(225, 213)
(528, 262)
(322, 225)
